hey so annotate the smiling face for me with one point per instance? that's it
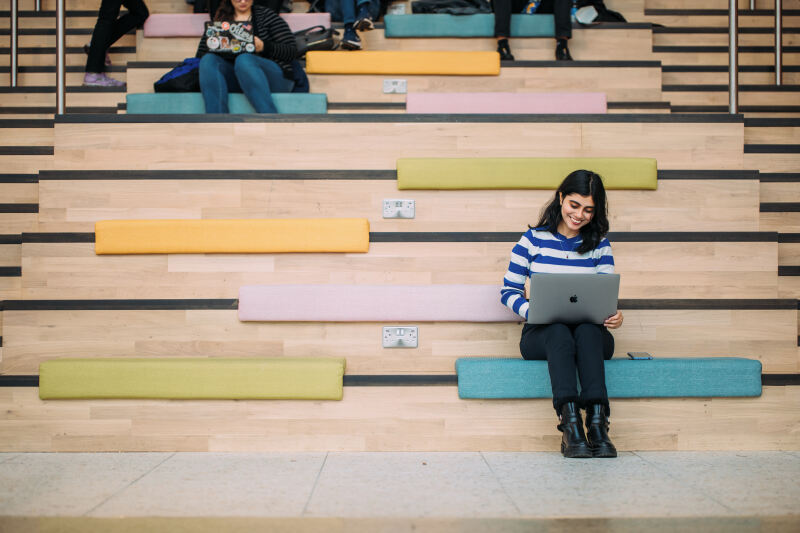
(576, 211)
(242, 7)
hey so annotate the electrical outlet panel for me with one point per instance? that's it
(399, 208)
(395, 86)
(400, 337)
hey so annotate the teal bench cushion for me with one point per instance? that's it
(192, 103)
(480, 377)
(480, 25)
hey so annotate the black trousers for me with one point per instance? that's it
(561, 10)
(573, 352)
(109, 28)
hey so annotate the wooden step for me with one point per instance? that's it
(46, 76)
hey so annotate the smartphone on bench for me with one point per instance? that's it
(639, 356)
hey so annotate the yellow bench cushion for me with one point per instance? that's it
(522, 172)
(231, 236)
(193, 378)
(402, 62)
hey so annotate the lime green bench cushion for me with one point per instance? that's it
(192, 378)
(522, 172)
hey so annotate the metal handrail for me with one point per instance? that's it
(778, 43)
(60, 57)
(733, 52)
(14, 42)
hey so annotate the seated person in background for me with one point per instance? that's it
(561, 10)
(107, 31)
(259, 74)
(345, 11)
(570, 237)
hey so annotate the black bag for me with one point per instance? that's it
(185, 78)
(315, 38)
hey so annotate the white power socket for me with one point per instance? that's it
(395, 86)
(399, 208)
(400, 337)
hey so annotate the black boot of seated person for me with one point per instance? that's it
(597, 432)
(573, 439)
(562, 51)
(504, 50)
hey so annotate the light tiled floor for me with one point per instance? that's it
(441, 488)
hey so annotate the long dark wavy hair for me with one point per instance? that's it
(225, 12)
(585, 183)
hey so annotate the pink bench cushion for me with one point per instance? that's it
(373, 303)
(517, 103)
(192, 24)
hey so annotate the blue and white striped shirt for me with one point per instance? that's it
(541, 251)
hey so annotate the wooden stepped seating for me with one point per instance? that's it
(193, 378)
(512, 103)
(139, 142)
(19, 204)
(89, 99)
(231, 236)
(631, 81)
(192, 103)
(72, 201)
(441, 173)
(386, 418)
(193, 24)
(589, 44)
(26, 146)
(480, 377)
(752, 98)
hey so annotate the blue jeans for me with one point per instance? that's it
(345, 10)
(255, 76)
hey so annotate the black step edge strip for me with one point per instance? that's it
(772, 148)
(779, 177)
(742, 109)
(10, 272)
(487, 236)
(70, 89)
(671, 49)
(218, 174)
(45, 69)
(708, 174)
(26, 150)
(52, 31)
(355, 380)
(711, 88)
(366, 105)
(780, 207)
(51, 50)
(724, 68)
(780, 380)
(789, 270)
(658, 118)
(399, 380)
(19, 208)
(766, 122)
(120, 304)
(637, 105)
(19, 178)
(788, 238)
(720, 12)
(26, 123)
(11, 239)
(31, 110)
(232, 304)
(641, 236)
(333, 174)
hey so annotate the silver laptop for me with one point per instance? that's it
(572, 298)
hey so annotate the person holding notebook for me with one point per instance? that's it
(257, 71)
(570, 237)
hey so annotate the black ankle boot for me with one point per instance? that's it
(597, 432)
(573, 439)
(562, 51)
(504, 50)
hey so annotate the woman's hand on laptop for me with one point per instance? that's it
(614, 321)
(259, 44)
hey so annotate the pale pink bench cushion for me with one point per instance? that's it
(501, 103)
(373, 303)
(193, 24)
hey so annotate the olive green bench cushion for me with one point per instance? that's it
(522, 172)
(481, 377)
(192, 378)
